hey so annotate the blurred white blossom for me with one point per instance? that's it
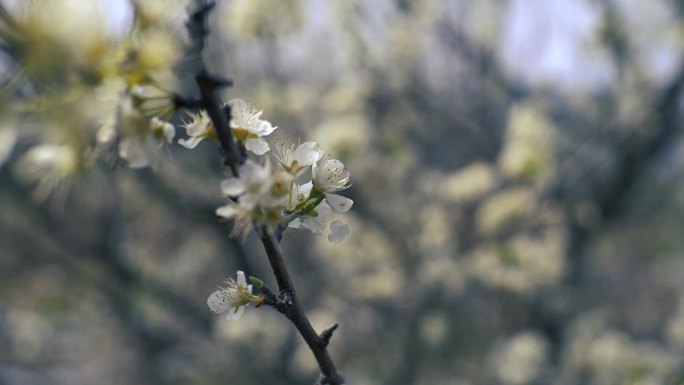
(258, 195)
(48, 165)
(143, 150)
(8, 138)
(520, 360)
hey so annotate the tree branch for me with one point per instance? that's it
(288, 302)
(296, 314)
(210, 87)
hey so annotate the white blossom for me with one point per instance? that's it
(142, 150)
(199, 128)
(259, 195)
(330, 176)
(322, 212)
(248, 128)
(339, 203)
(296, 160)
(254, 186)
(233, 298)
(48, 164)
(315, 223)
(164, 131)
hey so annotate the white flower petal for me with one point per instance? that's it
(191, 142)
(339, 231)
(241, 281)
(295, 224)
(216, 302)
(227, 211)
(307, 153)
(324, 212)
(133, 152)
(339, 203)
(257, 146)
(237, 106)
(313, 224)
(233, 187)
(265, 128)
(236, 313)
(169, 132)
(199, 124)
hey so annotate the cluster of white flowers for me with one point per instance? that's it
(247, 128)
(280, 194)
(272, 195)
(297, 188)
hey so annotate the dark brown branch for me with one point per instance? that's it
(220, 117)
(210, 87)
(287, 301)
(327, 334)
(296, 313)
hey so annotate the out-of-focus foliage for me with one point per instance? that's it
(516, 173)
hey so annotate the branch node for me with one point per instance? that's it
(286, 298)
(327, 334)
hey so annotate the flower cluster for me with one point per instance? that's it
(274, 191)
(281, 195)
(297, 187)
(247, 128)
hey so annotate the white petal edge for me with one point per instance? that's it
(339, 231)
(227, 211)
(241, 278)
(314, 225)
(216, 304)
(233, 187)
(339, 203)
(257, 146)
(236, 313)
(191, 142)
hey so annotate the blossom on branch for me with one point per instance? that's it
(274, 195)
(199, 128)
(142, 149)
(248, 129)
(48, 165)
(316, 211)
(258, 195)
(233, 298)
(329, 177)
(314, 218)
(296, 160)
